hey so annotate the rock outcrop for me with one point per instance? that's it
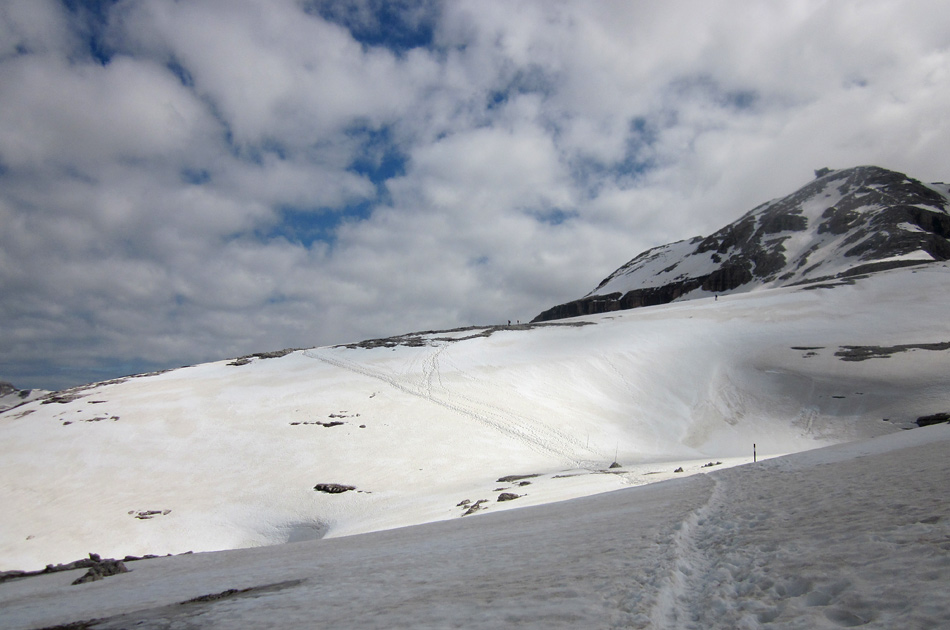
(11, 397)
(845, 222)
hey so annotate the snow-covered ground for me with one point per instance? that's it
(228, 455)
(850, 535)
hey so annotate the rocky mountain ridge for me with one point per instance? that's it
(845, 222)
(11, 397)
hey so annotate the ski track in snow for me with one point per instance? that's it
(533, 434)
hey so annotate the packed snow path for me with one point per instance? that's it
(786, 544)
(852, 535)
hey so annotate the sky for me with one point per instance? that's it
(183, 182)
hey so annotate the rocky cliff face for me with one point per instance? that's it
(844, 222)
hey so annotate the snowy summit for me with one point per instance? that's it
(728, 458)
(844, 223)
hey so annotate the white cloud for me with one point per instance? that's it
(274, 73)
(527, 150)
(80, 115)
(36, 26)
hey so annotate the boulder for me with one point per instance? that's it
(937, 418)
(333, 488)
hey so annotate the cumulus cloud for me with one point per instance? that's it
(188, 181)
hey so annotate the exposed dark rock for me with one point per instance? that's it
(214, 596)
(881, 215)
(430, 337)
(83, 563)
(730, 276)
(75, 625)
(510, 478)
(838, 220)
(276, 354)
(148, 514)
(102, 569)
(861, 271)
(776, 223)
(615, 465)
(62, 398)
(679, 470)
(937, 418)
(475, 507)
(508, 496)
(11, 575)
(863, 353)
(333, 488)
(334, 423)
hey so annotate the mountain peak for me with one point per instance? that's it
(844, 222)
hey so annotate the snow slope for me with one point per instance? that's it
(850, 535)
(226, 455)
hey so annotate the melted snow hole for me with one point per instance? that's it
(300, 532)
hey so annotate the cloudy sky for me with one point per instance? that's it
(185, 181)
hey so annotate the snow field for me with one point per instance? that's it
(233, 452)
(851, 535)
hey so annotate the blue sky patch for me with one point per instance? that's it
(530, 80)
(379, 158)
(91, 20)
(592, 174)
(740, 99)
(195, 176)
(306, 226)
(398, 25)
(181, 73)
(554, 216)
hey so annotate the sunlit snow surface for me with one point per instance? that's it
(227, 456)
(851, 535)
